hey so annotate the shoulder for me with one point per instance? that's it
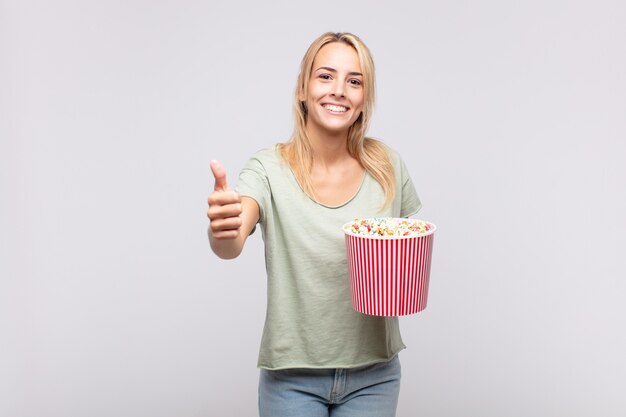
(269, 154)
(380, 147)
(266, 163)
(266, 157)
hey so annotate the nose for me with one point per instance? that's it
(338, 89)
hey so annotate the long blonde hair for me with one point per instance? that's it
(370, 153)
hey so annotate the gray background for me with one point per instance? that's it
(509, 114)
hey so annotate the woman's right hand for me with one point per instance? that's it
(224, 206)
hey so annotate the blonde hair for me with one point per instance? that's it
(370, 153)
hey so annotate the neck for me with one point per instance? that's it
(328, 147)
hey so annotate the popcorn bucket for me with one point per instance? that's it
(389, 274)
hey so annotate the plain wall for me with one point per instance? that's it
(510, 116)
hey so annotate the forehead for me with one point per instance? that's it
(339, 56)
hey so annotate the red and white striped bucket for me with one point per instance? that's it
(389, 274)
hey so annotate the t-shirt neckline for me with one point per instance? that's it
(293, 176)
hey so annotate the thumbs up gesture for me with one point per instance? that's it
(224, 206)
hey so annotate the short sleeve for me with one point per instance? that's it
(253, 182)
(411, 203)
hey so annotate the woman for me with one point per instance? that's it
(319, 357)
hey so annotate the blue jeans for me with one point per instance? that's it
(367, 391)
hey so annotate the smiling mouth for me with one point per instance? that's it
(335, 108)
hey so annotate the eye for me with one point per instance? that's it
(325, 76)
(355, 82)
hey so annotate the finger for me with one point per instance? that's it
(222, 198)
(226, 234)
(224, 212)
(219, 173)
(222, 225)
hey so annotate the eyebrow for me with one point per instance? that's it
(334, 70)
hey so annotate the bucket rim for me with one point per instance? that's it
(430, 232)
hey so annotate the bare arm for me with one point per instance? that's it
(231, 216)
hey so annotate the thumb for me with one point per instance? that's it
(220, 176)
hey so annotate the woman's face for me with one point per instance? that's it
(335, 92)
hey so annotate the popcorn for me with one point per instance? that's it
(388, 226)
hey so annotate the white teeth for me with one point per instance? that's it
(332, 107)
